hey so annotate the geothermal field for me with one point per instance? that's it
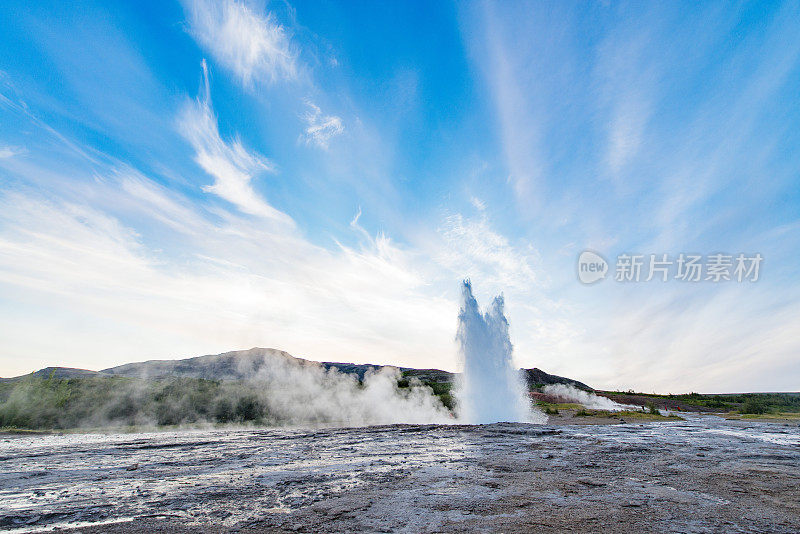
(238, 240)
(344, 455)
(703, 474)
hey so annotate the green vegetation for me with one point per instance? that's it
(62, 403)
(443, 390)
(649, 416)
(752, 403)
(101, 401)
(113, 401)
(650, 413)
(753, 406)
(579, 411)
(765, 416)
(627, 414)
(558, 405)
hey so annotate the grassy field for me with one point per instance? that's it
(793, 416)
(576, 410)
(742, 403)
(62, 403)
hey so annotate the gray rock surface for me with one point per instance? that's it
(430, 478)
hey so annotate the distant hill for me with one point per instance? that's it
(243, 364)
(234, 365)
(58, 372)
(533, 377)
(536, 376)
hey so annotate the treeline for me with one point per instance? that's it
(35, 402)
(746, 403)
(751, 403)
(53, 403)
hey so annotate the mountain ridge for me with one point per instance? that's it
(242, 364)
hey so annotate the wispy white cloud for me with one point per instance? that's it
(625, 133)
(251, 44)
(479, 204)
(320, 128)
(231, 165)
(627, 83)
(364, 235)
(10, 151)
(470, 247)
(115, 265)
(522, 137)
(244, 284)
(155, 202)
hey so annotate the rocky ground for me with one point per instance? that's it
(704, 474)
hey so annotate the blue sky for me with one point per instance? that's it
(190, 178)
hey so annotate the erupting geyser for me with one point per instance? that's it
(491, 387)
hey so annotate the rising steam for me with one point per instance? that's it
(278, 391)
(567, 393)
(307, 393)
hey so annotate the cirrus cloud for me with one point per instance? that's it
(320, 128)
(252, 45)
(231, 165)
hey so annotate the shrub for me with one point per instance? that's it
(248, 408)
(753, 406)
(448, 401)
(223, 411)
(124, 408)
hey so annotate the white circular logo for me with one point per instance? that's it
(591, 267)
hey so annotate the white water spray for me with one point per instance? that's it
(490, 389)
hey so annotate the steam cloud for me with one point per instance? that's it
(584, 398)
(309, 394)
(280, 391)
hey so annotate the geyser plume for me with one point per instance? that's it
(490, 390)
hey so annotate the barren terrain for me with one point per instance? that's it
(704, 474)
